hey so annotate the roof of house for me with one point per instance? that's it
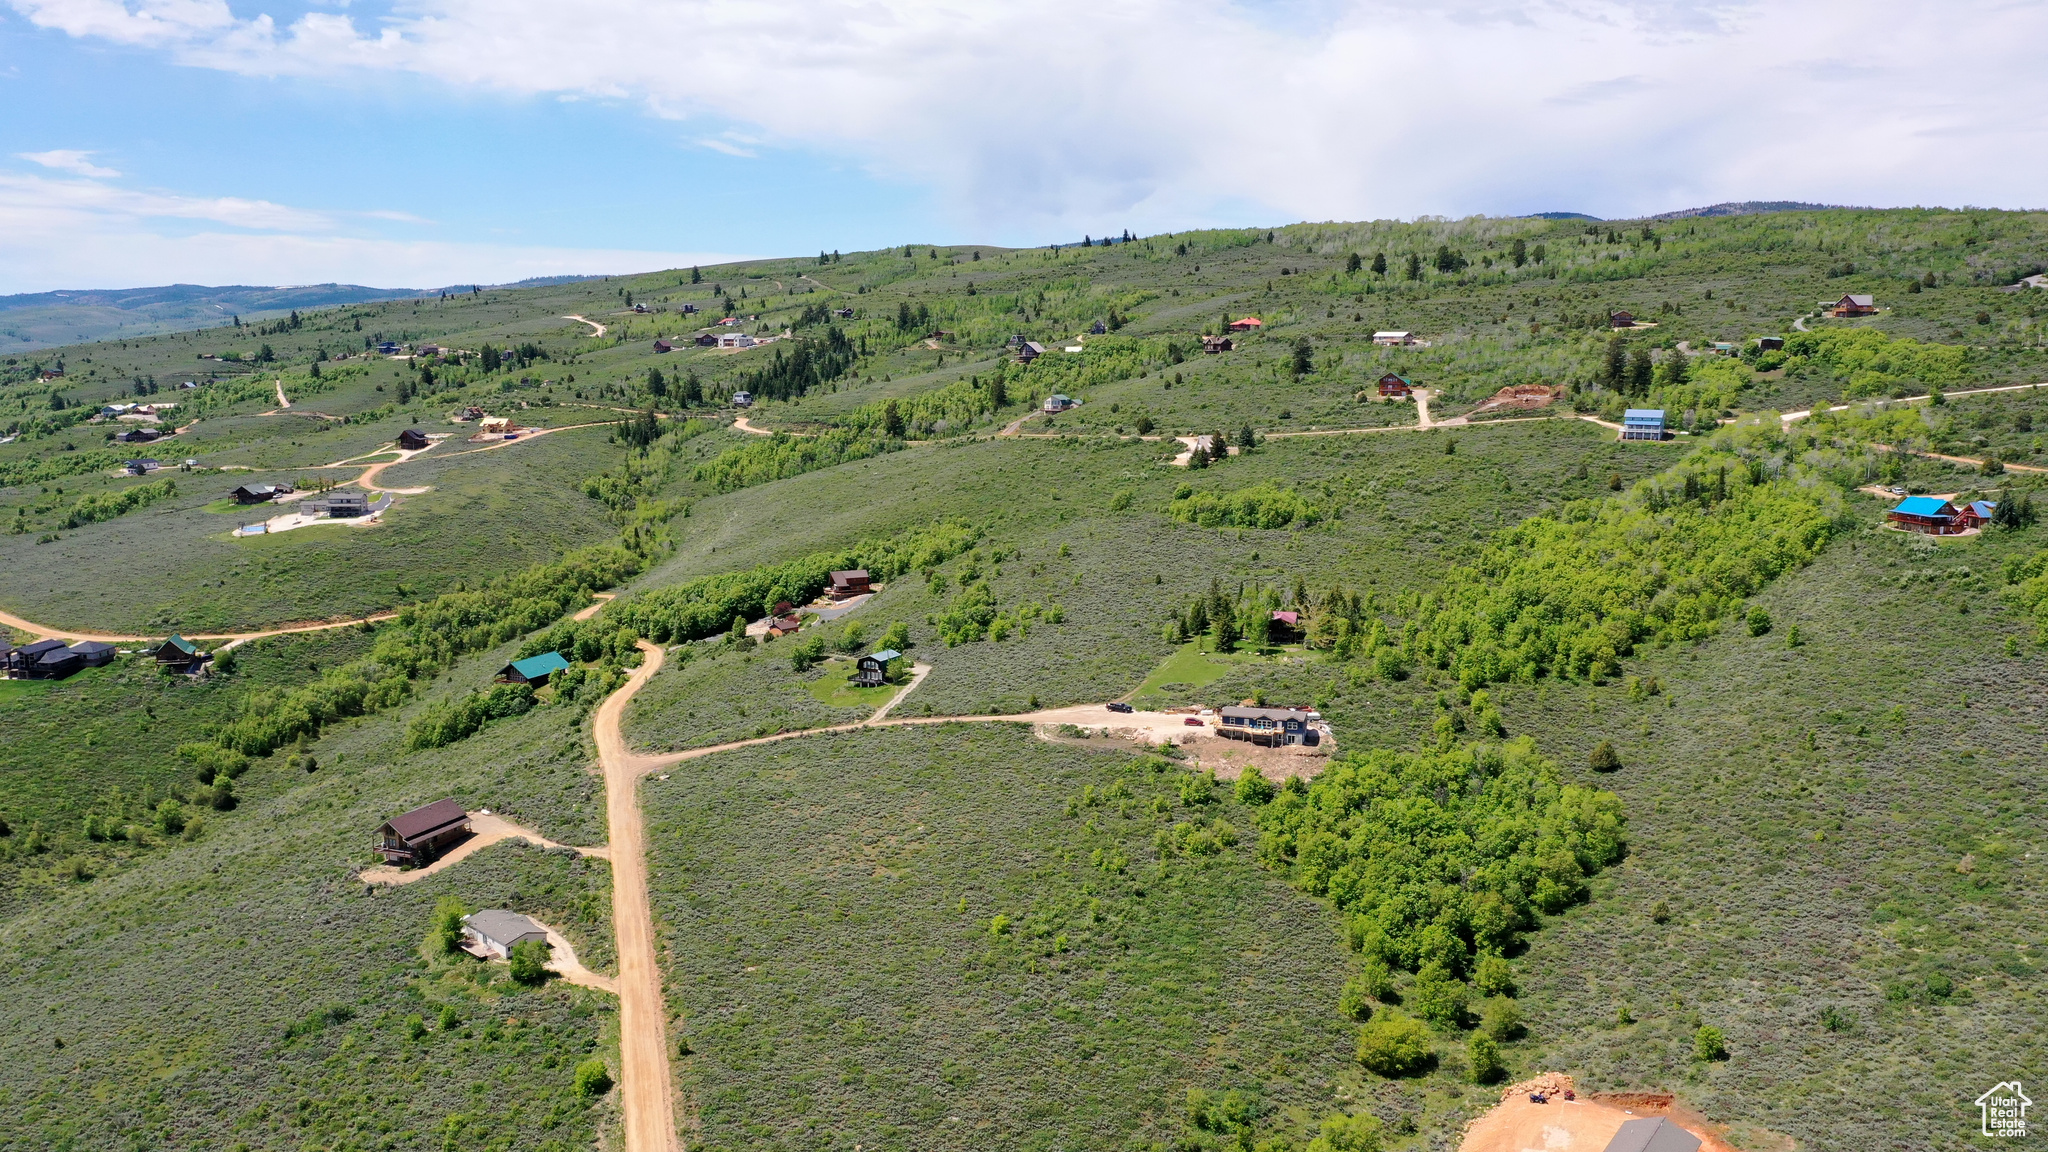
(181, 644)
(1390, 332)
(502, 926)
(1248, 712)
(1291, 619)
(1859, 301)
(545, 664)
(91, 647)
(885, 655)
(850, 574)
(1984, 508)
(345, 497)
(1253, 321)
(1396, 376)
(1925, 506)
(1035, 347)
(59, 656)
(1652, 1134)
(428, 818)
(36, 649)
(1643, 416)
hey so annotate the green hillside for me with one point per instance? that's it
(1633, 740)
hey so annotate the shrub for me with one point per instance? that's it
(530, 962)
(1604, 758)
(415, 1027)
(1437, 996)
(1253, 788)
(1355, 1002)
(1484, 1054)
(1709, 1044)
(592, 1079)
(1501, 1018)
(1342, 1133)
(1394, 1045)
(1198, 788)
(170, 817)
(1759, 621)
(1836, 1019)
(1493, 977)
(1259, 506)
(447, 721)
(446, 934)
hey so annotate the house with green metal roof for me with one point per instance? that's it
(534, 670)
(178, 651)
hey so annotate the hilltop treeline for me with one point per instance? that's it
(811, 362)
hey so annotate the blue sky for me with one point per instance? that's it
(444, 141)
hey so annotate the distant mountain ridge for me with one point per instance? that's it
(1725, 208)
(30, 321)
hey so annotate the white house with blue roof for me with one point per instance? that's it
(1642, 424)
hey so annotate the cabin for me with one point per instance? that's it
(1621, 320)
(496, 424)
(141, 467)
(1396, 387)
(743, 399)
(1270, 727)
(1393, 339)
(1652, 1134)
(1929, 514)
(641, 309)
(784, 623)
(421, 835)
(1247, 324)
(138, 436)
(494, 932)
(731, 320)
(664, 346)
(533, 671)
(388, 348)
(872, 670)
(347, 505)
(1285, 626)
(258, 493)
(1853, 304)
(431, 349)
(737, 340)
(1217, 345)
(850, 583)
(412, 439)
(1029, 350)
(471, 413)
(178, 652)
(1976, 514)
(707, 340)
(843, 313)
(1098, 329)
(1059, 403)
(1642, 424)
(1770, 343)
(95, 653)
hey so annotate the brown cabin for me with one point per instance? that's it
(1621, 320)
(412, 440)
(1854, 304)
(422, 834)
(853, 582)
(1396, 386)
(784, 624)
(1215, 345)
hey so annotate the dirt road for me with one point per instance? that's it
(594, 324)
(46, 632)
(645, 1094)
(1805, 412)
(281, 401)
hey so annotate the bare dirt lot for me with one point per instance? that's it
(1580, 1125)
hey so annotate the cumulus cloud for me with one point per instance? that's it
(69, 160)
(1051, 114)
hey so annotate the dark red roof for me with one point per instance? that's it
(422, 822)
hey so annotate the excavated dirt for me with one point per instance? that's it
(1583, 1124)
(1521, 398)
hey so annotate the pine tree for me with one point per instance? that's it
(1614, 370)
(1379, 263)
(696, 275)
(1352, 264)
(1519, 253)
(1303, 362)
(1641, 370)
(1414, 266)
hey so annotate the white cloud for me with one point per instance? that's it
(69, 160)
(1051, 116)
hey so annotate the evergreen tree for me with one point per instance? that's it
(696, 276)
(1352, 264)
(1414, 266)
(657, 385)
(1614, 369)
(1379, 263)
(1641, 370)
(1303, 362)
(692, 392)
(1246, 438)
(998, 391)
(1519, 253)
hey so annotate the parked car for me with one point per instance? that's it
(1193, 721)
(1120, 707)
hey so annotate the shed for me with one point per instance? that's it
(1214, 345)
(1393, 339)
(423, 833)
(1642, 424)
(1929, 514)
(412, 439)
(494, 931)
(1770, 343)
(1030, 350)
(1396, 386)
(177, 650)
(1652, 1134)
(873, 669)
(852, 582)
(95, 653)
(534, 670)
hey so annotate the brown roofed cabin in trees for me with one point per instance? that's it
(422, 834)
(853, 582)
(1396, 386)
(412, 439)
(1621, 320)
(1855, 304)
(1214, 345)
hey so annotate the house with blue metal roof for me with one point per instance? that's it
(1642, 424)
(1930, 514)
(534, 670)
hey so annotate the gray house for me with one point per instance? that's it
(1269, 727)
(494, 931)
(1652, 1134)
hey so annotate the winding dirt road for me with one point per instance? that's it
(45, 632)
(592, 323)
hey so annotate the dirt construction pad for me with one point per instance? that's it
(1581, 1125)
